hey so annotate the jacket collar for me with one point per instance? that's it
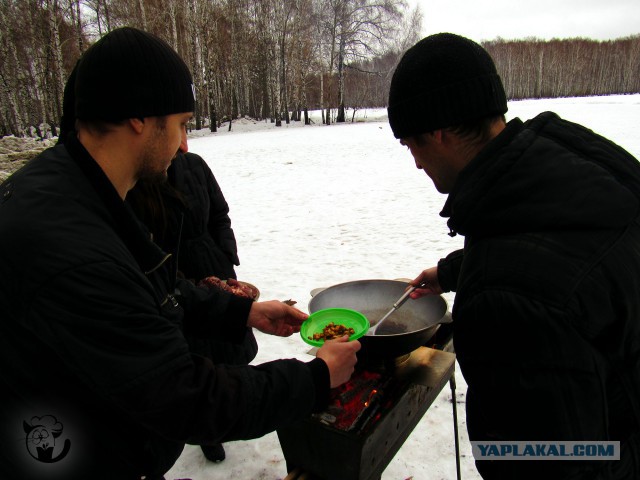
(503, 138)
(545, 175)
(132, 232)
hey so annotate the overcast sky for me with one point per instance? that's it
(545, 19)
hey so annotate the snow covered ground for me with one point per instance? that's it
(317, 205)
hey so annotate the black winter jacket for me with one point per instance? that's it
(82, 339)
(547, 309)
(189, 217)
(196, 219)
(208, 244)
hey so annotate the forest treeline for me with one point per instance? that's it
(273, 59)
(567, 68)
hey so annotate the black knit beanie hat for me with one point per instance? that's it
(129, 73)
(442, 81)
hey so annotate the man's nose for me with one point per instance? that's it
(184, 148)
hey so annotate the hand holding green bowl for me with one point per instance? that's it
(317, 321)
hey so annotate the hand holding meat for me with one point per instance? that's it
(340, 356)
(275, 318)
(430, 276)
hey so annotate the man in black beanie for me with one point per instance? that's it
(547, 312)
(97, 379)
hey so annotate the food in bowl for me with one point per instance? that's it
(331, 331)
(340, 318)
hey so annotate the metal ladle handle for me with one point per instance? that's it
(403, 298)
(396, 305)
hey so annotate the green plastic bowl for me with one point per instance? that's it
(340, 316)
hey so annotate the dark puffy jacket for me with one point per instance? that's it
(82, 339)
(195, 218)
(547, 309)
(207, 247)
(208, 244)
(198, 225)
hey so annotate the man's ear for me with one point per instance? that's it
(137, 124)
(437, 135)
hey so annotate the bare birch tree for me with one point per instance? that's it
(75, 16)
(57, 77)
(265, 58)
(363, 27)
(193, 34)
(12, 123)
(172, 9)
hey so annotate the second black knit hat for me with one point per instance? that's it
(442, 81)
(129, 73)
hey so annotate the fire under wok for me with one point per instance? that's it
(410, 327)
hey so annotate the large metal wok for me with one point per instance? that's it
(411, 326)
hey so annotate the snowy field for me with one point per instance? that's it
(317, 205)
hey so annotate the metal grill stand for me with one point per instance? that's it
(324, 452)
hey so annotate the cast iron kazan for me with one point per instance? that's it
(410, 327)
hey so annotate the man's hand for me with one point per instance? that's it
(430, 276)
(340, 356)
(275, 318)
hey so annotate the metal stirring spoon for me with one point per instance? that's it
(396, 305)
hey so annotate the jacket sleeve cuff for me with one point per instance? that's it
(449, 270)
(236, 317)
(322, 382)
(213, 313)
